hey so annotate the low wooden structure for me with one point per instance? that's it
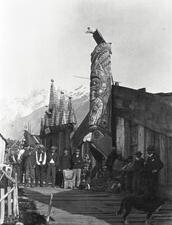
(8, 194)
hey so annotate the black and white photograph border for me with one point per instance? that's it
(86, 111)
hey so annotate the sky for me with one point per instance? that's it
(44, 39)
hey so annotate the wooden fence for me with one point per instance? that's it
(8, 194)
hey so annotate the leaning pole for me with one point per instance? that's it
(100, 92)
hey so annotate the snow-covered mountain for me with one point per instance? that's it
(79, 92)
(18, 107)
(16, 114)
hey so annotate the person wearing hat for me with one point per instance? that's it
(152, 167)
(65, 167)
(77, 163)
(138, 168)
(53, 163)
(127, 171)
(30, 164)
(41, 158)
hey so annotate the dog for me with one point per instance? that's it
(144, 203)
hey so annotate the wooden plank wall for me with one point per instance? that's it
(169, 162)
(127, 138)
(141, 138)
(163, 141)
(120, 136)
(132, 137)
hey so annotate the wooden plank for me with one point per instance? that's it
(163, 144)
(149, 138)
(120, 136)
(127, 138)
(169, 162)
(2, 206)
(15, 199)
(9, 202)
(141, 137)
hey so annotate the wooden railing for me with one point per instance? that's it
(8, 194)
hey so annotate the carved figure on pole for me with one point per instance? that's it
(100, 81)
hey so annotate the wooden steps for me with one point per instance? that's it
(90, 208)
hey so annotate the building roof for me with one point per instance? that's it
(31, 139)
(60, 110)
(149, 110)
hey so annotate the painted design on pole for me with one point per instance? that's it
(100, 82)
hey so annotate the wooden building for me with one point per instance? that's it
(122, 118)
(58, 122)
(138, 120)
(141, 119)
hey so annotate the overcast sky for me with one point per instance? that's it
(40, 40)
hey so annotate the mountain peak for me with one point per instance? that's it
(17, 112)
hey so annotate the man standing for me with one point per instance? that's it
(65, 166)
(152, 167)
(40, 164)
(52, 162)
(77, 165)
(128, 174)
(138, 168)
(30, 164)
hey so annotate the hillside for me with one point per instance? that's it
(14, 129)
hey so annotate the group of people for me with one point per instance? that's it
(36, 166)
(137, 174)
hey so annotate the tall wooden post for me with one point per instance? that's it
(15, 198)
(120, 136)
(141, 137)
(2, 206)
(9, 202)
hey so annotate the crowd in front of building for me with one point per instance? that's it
(36, 166)
(136, 174)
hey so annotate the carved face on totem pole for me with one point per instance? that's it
(100, 85)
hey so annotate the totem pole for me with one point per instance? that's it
(100, 83)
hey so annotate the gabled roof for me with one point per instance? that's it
(31, 140)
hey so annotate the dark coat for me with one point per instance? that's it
(65, 162)
(54, 157)
(77, 162)
(30, 158)
(152, 168)
(153, 163)
(138, 166)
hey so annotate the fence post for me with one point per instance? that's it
(2, 206)
(9, 202)
(49, 209)
(15, 198)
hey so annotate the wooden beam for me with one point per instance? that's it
(141, 136)
(9, 202)
(120, 136)
(2, 206)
